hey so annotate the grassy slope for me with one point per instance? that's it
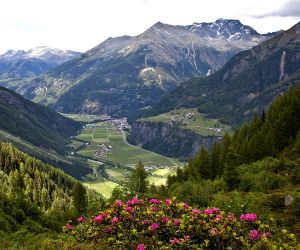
(199, 123)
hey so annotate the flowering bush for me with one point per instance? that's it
(174, 225)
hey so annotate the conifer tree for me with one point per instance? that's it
(138, 183)
(230, 174)
(215, 160)
(79, 198)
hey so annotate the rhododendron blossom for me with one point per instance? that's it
(140, 247)
(168, 201)
(174, 241)
(99, 218)
(80, 219)
(154, 226)
(118, 203)
(176, 222)
(248, 217)
(115, 220)
(254, 235)
(154, 201)
(165, 219)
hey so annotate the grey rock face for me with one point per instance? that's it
(168, 139)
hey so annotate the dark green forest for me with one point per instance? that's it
(37, 199)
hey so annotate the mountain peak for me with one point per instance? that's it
(230, 29)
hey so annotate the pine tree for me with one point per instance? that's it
(231, 177)
(80, 198)
(215, 160)
(138, 183)
(204, 164)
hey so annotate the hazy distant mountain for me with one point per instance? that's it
(246, 84)
(32, 63)
(124, 75)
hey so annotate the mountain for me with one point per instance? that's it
(32, 63)
(126, 74)
(34, 123)
(246, 84)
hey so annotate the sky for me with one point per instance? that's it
(82, 24)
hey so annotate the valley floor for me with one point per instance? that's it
(112, 158)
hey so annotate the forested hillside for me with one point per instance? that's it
(34, 123)
(35, 198)
(258, 166)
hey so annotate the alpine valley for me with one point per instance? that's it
(182, 137)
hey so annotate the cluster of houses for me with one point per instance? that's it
(103, 151)
(183, 119)
(152, 167)
(218, 130)
(119, 124)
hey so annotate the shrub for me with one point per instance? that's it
(154, 224)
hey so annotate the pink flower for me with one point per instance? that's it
(168, 201)
(146, 222)
(254, 235)
(174, 241)
(248, 217)
(230, 216)
(185, 206)
(187, 237)
(108, 230)
(267, 235)
(140, 247)
(115, 220)
(176, 222)
(133, 201)
(80, 219)
(154, 209)
(129, 209)
(196, 211)
(165, 220)
(216, 210)
(154, 201)
(154, 226)
(208, 211)
(218, 218)
(69, 226)
(118, 203)
(213, 231)
(99, 218)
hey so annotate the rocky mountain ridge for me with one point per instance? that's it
(125, 75)
(32, 63)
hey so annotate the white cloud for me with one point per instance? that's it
(82, 24)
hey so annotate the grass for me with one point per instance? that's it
(118, 173)
(103, 187)
(164, 172)
(82, 117)
(190, 118)
(157, 181)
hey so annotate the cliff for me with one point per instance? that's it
(168, 139)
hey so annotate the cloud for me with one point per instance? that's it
(290, 8)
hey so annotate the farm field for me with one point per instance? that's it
(103, 187)
(190, 118)
(121, 152)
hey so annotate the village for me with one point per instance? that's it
(118, 125)
(103, 151)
